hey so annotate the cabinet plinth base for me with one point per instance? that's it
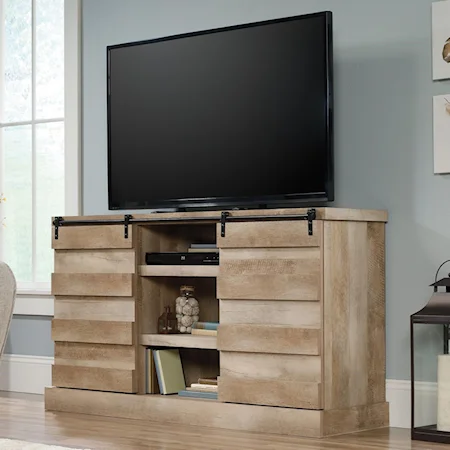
(176, 410)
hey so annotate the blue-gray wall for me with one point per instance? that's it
(384, 95)
(30, 335)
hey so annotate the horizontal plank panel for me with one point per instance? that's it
(290, 260)
(268, 312)
(357, 418)
(179, 340)
(358, 215)
(183, 411)
(179, 271)
(268, 234)
(94, 378)
(92, 331)
(269, 287)
(284, 393)
(269, 274)
(92, 236)
(95, 355)
(112, 310)
(95, 261)
(268, 339)
(271, 366)
(96, 284)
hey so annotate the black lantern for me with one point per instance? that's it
(430, 362)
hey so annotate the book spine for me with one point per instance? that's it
(204, 387)
(148, 358)
(205, 326)
(147, 370)
(201, 332)
(196, 394)
(207, 381)
(158, 371)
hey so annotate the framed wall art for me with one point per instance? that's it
(441, 40)
(441, 125)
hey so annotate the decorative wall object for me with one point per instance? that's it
(441, 40)
(441, 125)
(187, 309)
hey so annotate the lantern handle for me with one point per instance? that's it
(440, 267)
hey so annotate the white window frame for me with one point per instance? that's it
(35, 298)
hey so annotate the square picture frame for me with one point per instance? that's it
(441, 127)
(441, 40)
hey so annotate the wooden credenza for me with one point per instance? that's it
(301, 344)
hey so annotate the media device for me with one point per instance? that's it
(230, 117)
(180, 258)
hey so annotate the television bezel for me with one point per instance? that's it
(286, 200)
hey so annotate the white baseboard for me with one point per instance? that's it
(32, 374)
(34, 305)
(398, 394)
(22, 373)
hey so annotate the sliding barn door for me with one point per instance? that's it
(270, 333)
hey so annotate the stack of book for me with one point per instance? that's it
(205, 328)
(205, 388)
(203, 248)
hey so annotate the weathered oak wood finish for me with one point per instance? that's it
(285, 393)
(357, 418)
(268, 339)
(179, 341)
(344, 214)
(179, 271)
(110, 309)
(95, 261)
(268, 235)
(206, 413)
(269, 274)
(271, 366)
(301, 337)
(92, 237)
(91, 331)
(354, 324)
(269, 312)
(176, 410)
(98, 284)
(107, 356)
(94, 378)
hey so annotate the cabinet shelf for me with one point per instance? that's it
(179, 341)
(179, 271)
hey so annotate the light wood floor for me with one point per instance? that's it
(23, 417)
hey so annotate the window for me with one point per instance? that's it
(32, 154)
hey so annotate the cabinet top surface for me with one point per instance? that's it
(344, 214)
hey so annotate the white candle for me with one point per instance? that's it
(443, 400)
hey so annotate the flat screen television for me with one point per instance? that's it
(231, 117)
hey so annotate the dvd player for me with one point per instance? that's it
(181, 258)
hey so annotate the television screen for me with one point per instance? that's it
(227, 117)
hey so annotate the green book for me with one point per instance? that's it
(169, 371)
